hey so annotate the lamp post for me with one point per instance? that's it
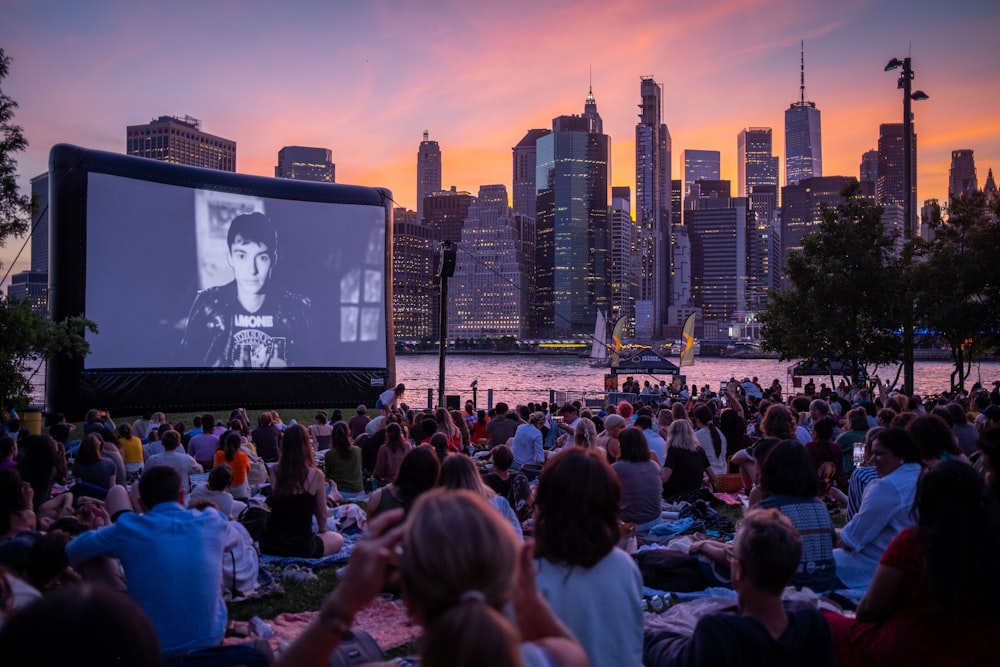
(905, 83)
(447, 270)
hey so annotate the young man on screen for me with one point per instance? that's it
(244, 324)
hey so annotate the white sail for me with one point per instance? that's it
(599, 346)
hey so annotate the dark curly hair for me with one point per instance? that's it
(577, 507)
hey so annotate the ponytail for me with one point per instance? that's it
(716, 440)
(471, 632)
(704, 415)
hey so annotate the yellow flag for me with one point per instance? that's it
(687, 351)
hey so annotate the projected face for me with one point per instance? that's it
(251, 262)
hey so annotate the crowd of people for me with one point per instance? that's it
(506, 527)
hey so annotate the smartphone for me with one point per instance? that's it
(859, 454)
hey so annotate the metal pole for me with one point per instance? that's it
(907, 225)
(442, 337)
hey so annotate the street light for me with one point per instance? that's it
(905, 83)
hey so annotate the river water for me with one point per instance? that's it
(522, 378)
(519, 378)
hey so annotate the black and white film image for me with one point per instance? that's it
(196, 278)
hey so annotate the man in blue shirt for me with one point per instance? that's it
(172, 559)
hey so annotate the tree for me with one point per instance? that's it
(15, 209)
(25, 336)
(843, 307)
(957, 284)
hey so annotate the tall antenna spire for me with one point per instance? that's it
(802, 73)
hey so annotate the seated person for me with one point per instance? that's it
(884, 511)
(459, 601)
(766, 631)
(95, 624)
(91, 468)
(686, 464)
(173, 456)
(171, 559)
(298, 495)
(788, 482)
(592, 585)
(932, 600)
(215, 490)
(639, 474)
(512, 486)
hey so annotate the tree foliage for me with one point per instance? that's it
(25, 336)
(15, 208)
(843, 305)
(957, 282)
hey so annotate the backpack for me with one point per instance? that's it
(519, 495)
(240, 562)
(254, 519)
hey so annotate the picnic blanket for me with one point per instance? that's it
(349, 520)
(387, 621)
(351, 537)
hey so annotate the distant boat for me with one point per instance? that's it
(745, 349)
(599, 347)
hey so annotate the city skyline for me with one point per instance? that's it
(478, 78)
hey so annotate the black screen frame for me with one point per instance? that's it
(71, 388)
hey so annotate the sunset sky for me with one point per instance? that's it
(367, 78)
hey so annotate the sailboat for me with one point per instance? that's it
(599, 347)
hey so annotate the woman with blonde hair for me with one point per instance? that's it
(463, 429)
(460, 565)
(446, 425)
(686, 464)
(584, 435)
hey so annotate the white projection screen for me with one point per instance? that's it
(216, 290)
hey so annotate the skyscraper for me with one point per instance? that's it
(626, 263)
(573, 173)
(990, 187)
(428, 172)
(803, 136)
(800, 209)
(445, 212)
(305, 163)
(181, 141)
(890, 186)
(868, 173)
(962, 179)
(33, 285)
(40, 223)
(721, 239)
(413, 293)
(652, 209)
(524, 172)
(699, 166)
(755, 164)
(492, 285)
